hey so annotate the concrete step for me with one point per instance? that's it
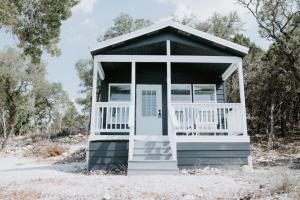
(152, 156)
(161, 151)
(151, 144)
(152, 164)
(144, 172)
(148, 167)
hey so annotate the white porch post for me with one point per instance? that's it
(132, 111)
(242, 96)
(170, 125)
(94, 91)
(169, 84)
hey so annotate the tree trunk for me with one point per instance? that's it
(271, 131)
(4, 143)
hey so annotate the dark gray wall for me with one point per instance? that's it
(192, 154)
(155, 73)
(107, 155)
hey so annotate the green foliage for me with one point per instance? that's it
(29, 103)
(224, 26)
(277, 89)
(36, 23)
(123, 24)
(84, 69)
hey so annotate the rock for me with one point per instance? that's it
(28, 141)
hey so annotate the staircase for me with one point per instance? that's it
(152, 157)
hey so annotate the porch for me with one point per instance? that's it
(186, 121)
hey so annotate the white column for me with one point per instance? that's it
(169, 84)
(242, 96)
(94, 96)
(132, 111)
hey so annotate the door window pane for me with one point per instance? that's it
(204, 93)
(181, 93)
(149, 103)
(120, 92)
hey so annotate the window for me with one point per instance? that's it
(181, 93)
(204, 93)
(149, 103)
(119, 92)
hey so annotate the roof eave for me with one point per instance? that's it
(242, 49)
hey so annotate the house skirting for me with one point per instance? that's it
(220, 154)
(107, 155)
(111, 154)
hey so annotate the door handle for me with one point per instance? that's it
(159, 113)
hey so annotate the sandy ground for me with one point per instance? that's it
(28, 178)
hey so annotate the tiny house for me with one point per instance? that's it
(159, 101)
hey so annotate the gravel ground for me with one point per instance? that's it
(29, 178)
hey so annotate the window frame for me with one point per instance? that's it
(215, 93)
(191, 93)
(118, 84)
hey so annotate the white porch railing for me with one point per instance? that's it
(208, 118)
(112, 117)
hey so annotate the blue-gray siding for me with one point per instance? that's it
(191, 155)
(107, 155)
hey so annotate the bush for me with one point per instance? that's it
(47, 150)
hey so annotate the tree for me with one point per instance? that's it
(29, 103)
(224, 26)
(17, 77)
(278, 22)
(123, 24)
(36, 23)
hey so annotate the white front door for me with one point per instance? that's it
(148, 110)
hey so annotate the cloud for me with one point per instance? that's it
(85, 6)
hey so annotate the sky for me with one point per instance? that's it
(90, 18)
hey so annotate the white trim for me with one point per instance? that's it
(215, 91)
(242, 96)
(229, 71)
(100, 71)
(190, 88)
(116, 84)
(164, 58)
(183, 28)
(132, 111)
(200, 139)
(94, 99)
(108, 137)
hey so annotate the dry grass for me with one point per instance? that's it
(284, 182)
(46, 150)
(7, 193)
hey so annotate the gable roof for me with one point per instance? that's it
(181, 28)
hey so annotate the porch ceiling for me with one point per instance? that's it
(201, 70)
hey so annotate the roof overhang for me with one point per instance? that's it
(181, 28)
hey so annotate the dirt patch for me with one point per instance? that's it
(46, 150)
(77, 156)
(11, 193)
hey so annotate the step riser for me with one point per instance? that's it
(152, 151)
(151, 145)
(151, 172)
(149, 165)
(152, 157)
